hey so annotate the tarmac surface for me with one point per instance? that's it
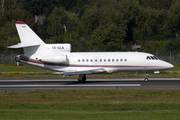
(32, 84)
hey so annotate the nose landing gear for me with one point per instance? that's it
(146, 77)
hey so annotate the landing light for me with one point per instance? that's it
(156, 72)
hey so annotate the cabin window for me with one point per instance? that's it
(121, 60)
(104, 60)
(125, 60)
(112, 60)
(100, 60)
(79, 60)
(91, 60)
(117, 60)
(109, 60)
(82, 60)
(87, 60)
(96, 60)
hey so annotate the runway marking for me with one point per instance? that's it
(65, 80)
(92, 85)
(90, 79)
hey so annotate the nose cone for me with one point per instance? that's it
(167, 65)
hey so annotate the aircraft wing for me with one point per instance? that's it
(85, 72)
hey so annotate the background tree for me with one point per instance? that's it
(57, 23)
(135, 16)
(107, 38)
(172, 44)
(100, 23)
(95, 25)
(174, 14)
(156, 4)
(39, 7)
(8, 32)
(62, 26)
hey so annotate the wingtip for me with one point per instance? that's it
(20, 22)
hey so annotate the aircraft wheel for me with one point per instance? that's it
(146, 79)
(82, 80)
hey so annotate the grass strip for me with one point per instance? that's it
(91, 104)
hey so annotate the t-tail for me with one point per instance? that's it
(30, 41)
(35, 48)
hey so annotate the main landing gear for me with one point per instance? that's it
(82, 78)
(146, 77)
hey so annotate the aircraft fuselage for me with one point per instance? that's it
(109, 61)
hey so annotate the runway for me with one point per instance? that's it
(25, 84)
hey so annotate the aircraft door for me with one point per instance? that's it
(96, 60)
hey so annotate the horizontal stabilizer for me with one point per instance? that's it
(22, 45)
(85, 72)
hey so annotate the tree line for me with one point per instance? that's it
(96, 25)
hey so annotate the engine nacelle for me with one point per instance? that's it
(55, 59)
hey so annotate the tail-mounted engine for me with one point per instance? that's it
(55, 59)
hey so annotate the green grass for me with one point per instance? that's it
(11, 70)
(21, 68)
(176, 68)
(91, 104)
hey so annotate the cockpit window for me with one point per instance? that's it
(155, 57)
(151, 58)
(148, 58)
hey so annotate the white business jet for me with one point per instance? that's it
(59, 58)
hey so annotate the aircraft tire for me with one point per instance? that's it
(146, 79)
(82, 80)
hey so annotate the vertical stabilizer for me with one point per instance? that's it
(30, 41)
(27, 35)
